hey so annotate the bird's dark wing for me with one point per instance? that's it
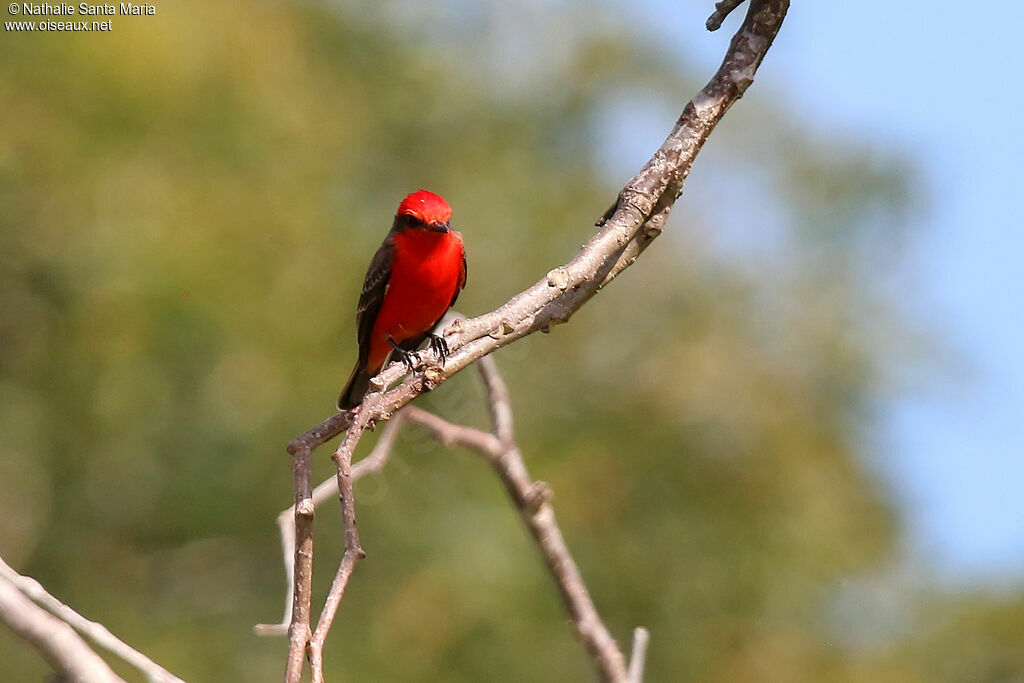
(375, 286)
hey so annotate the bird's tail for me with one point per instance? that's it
(357, 386)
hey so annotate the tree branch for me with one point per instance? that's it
(303, 641)
(298, 630)
(371, 464)
(500, 450)
(57, 642)
(627, 228)
(638, 657)
(94, 631)
(353, 550)
(531, 501)
(722, 10)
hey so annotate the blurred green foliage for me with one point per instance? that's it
(187, 206)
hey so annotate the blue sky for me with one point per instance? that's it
(940, 81)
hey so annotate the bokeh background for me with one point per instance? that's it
(787, 441)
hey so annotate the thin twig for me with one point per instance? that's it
(298, 630)
(722, 10)
(498, 401)
(531, 501)
(638, 657)
(94, 631)
(353, 549)
(530, 498)
(327, 489)
(65, 651)
(451, 434)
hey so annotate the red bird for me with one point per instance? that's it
(414, 278)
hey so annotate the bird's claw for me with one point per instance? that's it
(439, 345)
(410, 359)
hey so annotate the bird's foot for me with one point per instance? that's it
(439, 346)
(410, 359)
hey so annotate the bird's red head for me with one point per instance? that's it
(426, 207)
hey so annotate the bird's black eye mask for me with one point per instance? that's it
(406, 222)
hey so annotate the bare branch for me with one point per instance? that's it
(498, 402)
(371, 464)
(303, 641)
(57, 642)
(638, 657)
(722, 10)
(451, 434)
(94, 631)
(531, 500)
(353, 550)
(298, 630)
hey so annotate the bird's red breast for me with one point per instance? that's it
(426, 273)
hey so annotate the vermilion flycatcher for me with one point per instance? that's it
(414, 278)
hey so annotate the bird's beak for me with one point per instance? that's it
(439, 227)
